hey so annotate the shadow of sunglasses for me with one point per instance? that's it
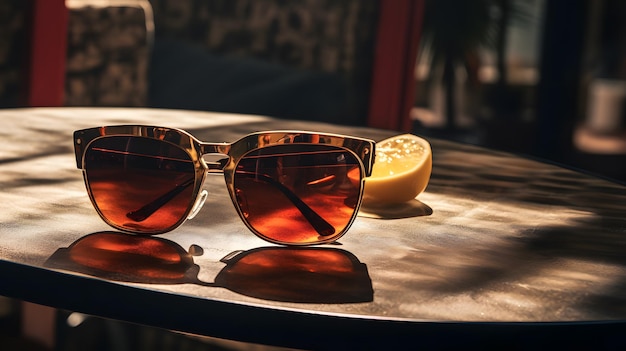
(304, 275)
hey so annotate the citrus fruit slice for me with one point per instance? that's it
(401, 170)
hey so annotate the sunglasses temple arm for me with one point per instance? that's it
(149, 209)
(320, 225)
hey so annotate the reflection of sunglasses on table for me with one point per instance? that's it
(293, 274)
(289, 187)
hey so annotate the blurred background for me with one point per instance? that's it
(536, 77)
(541, 78)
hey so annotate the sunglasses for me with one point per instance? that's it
(288, 187)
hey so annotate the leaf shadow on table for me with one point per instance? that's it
(537, 228)
(303, 275)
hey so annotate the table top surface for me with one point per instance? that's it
(495, 238)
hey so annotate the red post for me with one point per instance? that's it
(393, 78)
(48, 46)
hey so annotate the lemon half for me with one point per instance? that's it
(401, 170)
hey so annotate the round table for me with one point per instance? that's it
(498, 249)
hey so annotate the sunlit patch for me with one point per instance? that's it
(500, 260)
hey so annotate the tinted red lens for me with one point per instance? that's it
(139, 184)
(298, 193)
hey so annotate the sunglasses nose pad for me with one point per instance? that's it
(198, 205)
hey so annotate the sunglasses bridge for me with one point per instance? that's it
(215, 156)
